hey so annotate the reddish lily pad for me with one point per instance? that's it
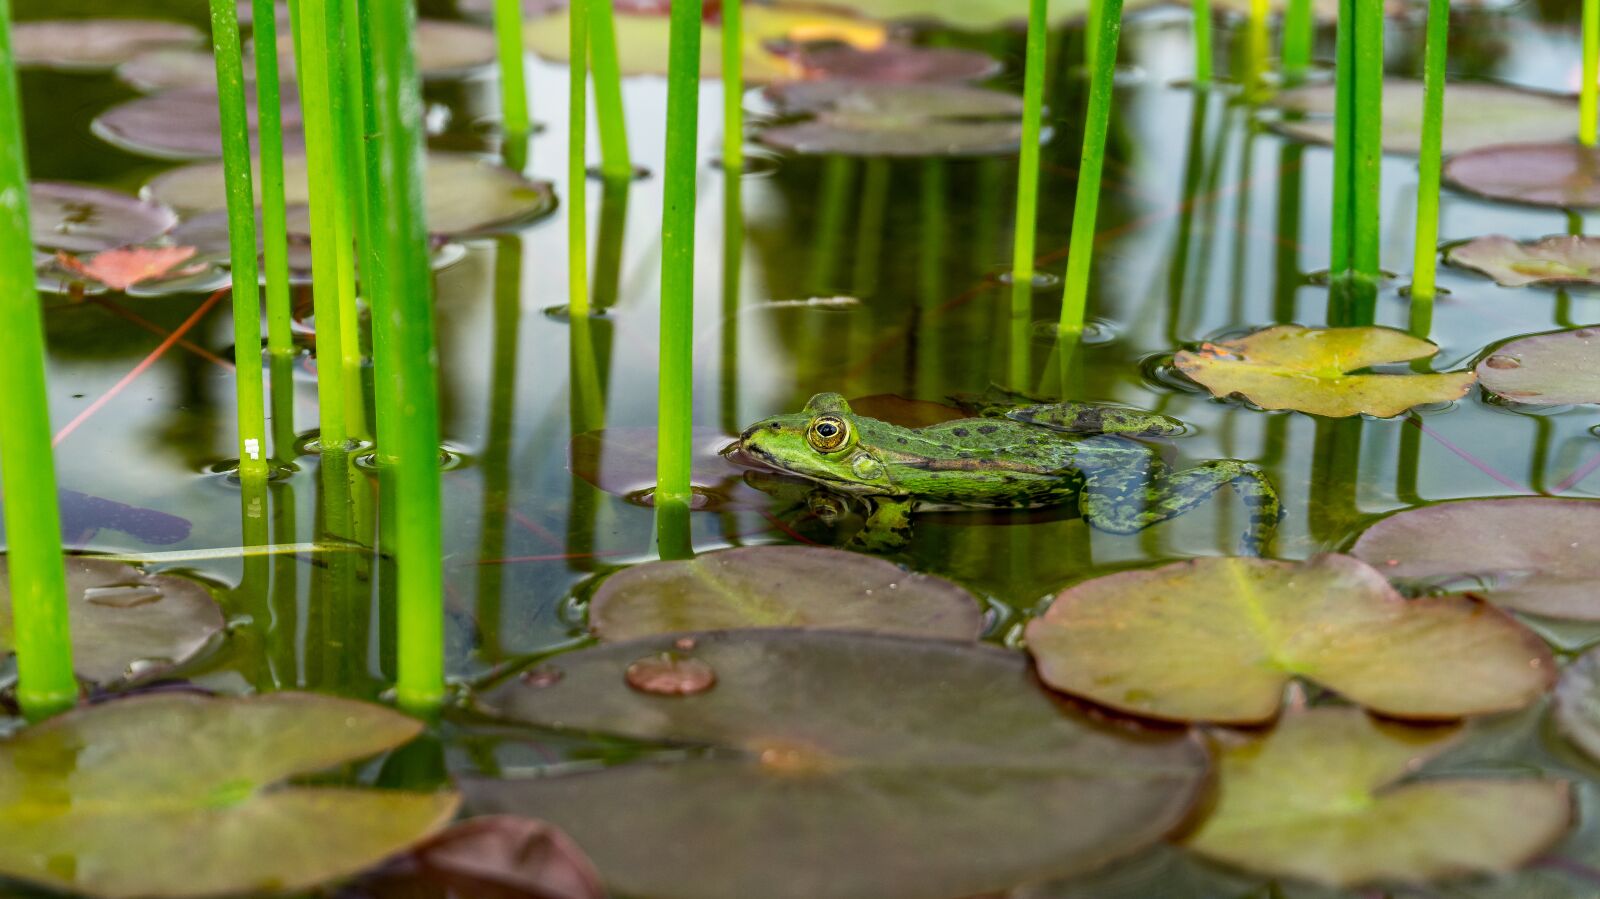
(126, 267)
(1562, 259)
(183, 124)
(781, 586)
(491, 857)
(895, 63)
(1533, 554)
(1564, 175)
(136, 790)
(844, 765)
(93, 44)
(80, 218)
(857, 118)
(1324, 797)
(1476, 115)
(1218, 639)
(1312, 370)
(1554, 369)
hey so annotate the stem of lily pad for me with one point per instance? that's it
(513, 77)
(1299, 39)
(577, 159)
(274, 216)
(1203, 52)
(1022, 249)
(1426, 260)
(733, 86)
(1075, 296)
(610, 117)
(1589, 128)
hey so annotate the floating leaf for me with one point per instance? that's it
(781, 586)
(1322, 797)
(886, 119)
(121, 799)
(894, 63)
(1218, 639)
(1577, 706)
(79, 218)
(1562, 259)
(492, 856)
(1564, 175)
(184, 124)
(844, 765)
(124, 267)
(1529, 553)
(161, 70)
(126, 623)
(1554, 369)
(92, 44)
(1309, 370)
(1475, 115)
(982, 15)
(622, 462)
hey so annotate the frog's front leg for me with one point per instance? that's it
(888, 527)
(1131, 499)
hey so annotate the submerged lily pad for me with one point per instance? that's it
(80, 218)
(183, 124)
(895, 63)
(856, 118)
(1475, 115)
(781, 586)
(1218, 639)
(464, 193)
(1534, 554)
(92, 44)
(1554, 369)
(1562, 259)
(135, 791)
(1310, 370)
(1564, 175)
(1323, 797)
(845, 765)
(126, 623)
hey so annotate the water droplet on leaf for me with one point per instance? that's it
(670, 675)
(1502, 361)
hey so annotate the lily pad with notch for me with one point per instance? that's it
(80, 218)
(843, 765)
(135, 790)
(1475, 115)
(864, 118)
(1562, 175)
(1560, 259)
(1317, 371)
(1556, 369)
(1218, 639)
(96, 44)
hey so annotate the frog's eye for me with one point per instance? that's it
(828, 434)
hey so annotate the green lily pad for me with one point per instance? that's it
(781, 586)
(1475, 115)
(843, 765)
(465, 194)
(857, 118)
(1556, 369)
(95, 44)
(1218, 639)
(122, 799)
(124, 622)
(1562, 259)
(81, 218)
(1323, 797)
(1533, 554)
(1577, 706)
(1563, 175)
(1310, 370)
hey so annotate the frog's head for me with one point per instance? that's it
(824, 443)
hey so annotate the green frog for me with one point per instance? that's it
(1028, 456)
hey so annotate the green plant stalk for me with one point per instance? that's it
(513, 76)
(247, 380)
(345, 106)
(274, 217)
(312, 55)
(675, 407)
(610, 117)
(1344, 123)
(1589, 105)
(1022, 246)
(733, 86)
(1426, 260)
(577, 159)
(1368, 158)
(1299, 39)
(1091, 27)
(1075, 295)
(1204, 66)
(404, 310)
(1260, 44)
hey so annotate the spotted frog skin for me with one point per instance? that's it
(1013, 457)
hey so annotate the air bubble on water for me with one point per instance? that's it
(123, 596)
(667, 674)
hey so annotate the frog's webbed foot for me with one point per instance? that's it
(1098, 418)
(888, 527)
(1128, 501)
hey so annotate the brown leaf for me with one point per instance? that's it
(122, 268)
(508, 857)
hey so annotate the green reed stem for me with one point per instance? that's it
(1075, 296)
(269, 139)
(403, 309)
(1358, 156)
(1299, 40)
(1589, 127)
(248, 387)
(577, 159)
(610, 117)
(45, 683)
(1260, 34)
(513, 77)
(733, 85)
(676, 401)
(1022, 246)
(1091, 28)
(1426, 261)
(1204, 65)
(344, 89)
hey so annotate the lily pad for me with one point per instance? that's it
(79, 218)
(183, 124)
(161, 70)
(126, 623)
(1218, 639)
(895, 63)
(1310, 370)
(982, 15)
(95, 44)
(863, 118)
(464, 193)
(445, 49)
(1533, 554)
(844, 765)
(1562, 259)
(1577, 706)
(622, 462)
(781, 586)
(1554, 369)
(134, 791)
(1564, 175)
(125, 267)
(488, 857)
(1475, 115)
(1323, 797)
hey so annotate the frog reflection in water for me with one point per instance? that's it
(1014, 457)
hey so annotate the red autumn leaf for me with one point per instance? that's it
(124, 267)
